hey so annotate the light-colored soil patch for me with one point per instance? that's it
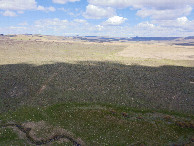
(43, 87)
(40, 133)
(158, 51)
(43, 131)
(48, 52)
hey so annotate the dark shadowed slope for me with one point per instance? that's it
(165, 87)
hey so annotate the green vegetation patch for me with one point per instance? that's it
(9, 137)
(98, 124)
(7, 134)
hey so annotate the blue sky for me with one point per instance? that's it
(120, 18)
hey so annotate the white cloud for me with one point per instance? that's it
(181, 27)
(41, 8)
(165, 13)
(182, 23)
(162, 4)
(20, 12)
(64, 1)
(111, 3)
(12, 7)
(9, 13)
(156, 9)
(95, 12)
(18, 4)
(47, 9)
(115, 20)
(58, 27)
(63, 9)
(50, 26)
(13, 30)
(146, 25)
(74, 13)
(182, 20)
(52, 9)
(158, 4)
(80, 20)
(99, 27)
(51, 22)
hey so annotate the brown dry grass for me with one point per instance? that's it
(48, 49)
(158, 51)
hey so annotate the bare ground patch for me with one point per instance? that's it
(40, 133)
(158, 51)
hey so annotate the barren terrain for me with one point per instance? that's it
(95, 93)
(158, 51)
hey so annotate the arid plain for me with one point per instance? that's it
(95, 93)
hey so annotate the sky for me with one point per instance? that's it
(118, 18)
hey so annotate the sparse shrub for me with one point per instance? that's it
(113, 111)
(192, 139)
(185, 124)
(124, 114)
(139, 117)
(168, 118)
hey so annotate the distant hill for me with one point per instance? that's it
(108, 39)
(154, 38)
(189, 37)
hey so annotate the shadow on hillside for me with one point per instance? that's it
(166, 87)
